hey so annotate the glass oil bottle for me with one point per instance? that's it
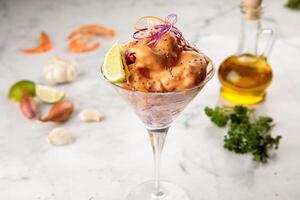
(246, 75)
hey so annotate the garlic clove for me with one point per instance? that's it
(72, 73)
(59, 136)
(49, 78)
(90, 115)
(59, 74)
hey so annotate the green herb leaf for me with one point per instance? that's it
(245, 134)
(293, 4)
(217, 116)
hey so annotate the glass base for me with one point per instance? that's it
(242, 98)
(169, 191)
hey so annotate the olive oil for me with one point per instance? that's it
(246, 74)
(244, 78)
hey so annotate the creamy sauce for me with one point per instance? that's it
(165, 67)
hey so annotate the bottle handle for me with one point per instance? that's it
(270, 40)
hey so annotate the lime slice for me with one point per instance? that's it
(113, 68)
(48, 94)
(20, 87)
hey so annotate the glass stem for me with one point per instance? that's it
(157, 139)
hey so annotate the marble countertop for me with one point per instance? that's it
(109, 158)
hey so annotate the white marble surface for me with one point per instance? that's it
(110, 158)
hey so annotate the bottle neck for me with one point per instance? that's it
(250, 27)
(248, 37)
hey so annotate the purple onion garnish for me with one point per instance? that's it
(155, 33)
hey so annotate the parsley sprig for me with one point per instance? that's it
(246, 133)
(293, 4)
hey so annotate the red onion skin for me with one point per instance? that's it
(129, 58)
(159, 31)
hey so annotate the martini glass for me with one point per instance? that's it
(157, 111)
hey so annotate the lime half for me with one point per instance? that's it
(48, 94)
(19, 88)
(113, 68)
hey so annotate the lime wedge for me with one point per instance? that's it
(113, 68)
(48, 94)
(20, 87)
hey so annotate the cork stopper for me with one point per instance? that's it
(252, 9)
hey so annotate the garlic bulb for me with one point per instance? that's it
(60, 71)
(89, 115)
(60, 136)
